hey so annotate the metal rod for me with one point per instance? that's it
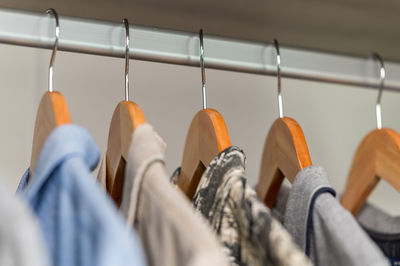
(203, 71)
(127, 41)
(382, 73)
(53, 54)
(176, 47)
(278, 75)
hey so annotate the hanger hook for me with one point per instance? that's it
(382, 72)
(278, 65)
(127, 40)
(203, 71)
(55, 47)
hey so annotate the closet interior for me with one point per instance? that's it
(279, 148)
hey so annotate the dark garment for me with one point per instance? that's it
(241, 221)
(383, 229)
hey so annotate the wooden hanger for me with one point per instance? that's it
(126, 118)
(53, 110)
(206, 138)
(377, 157)
(285, 152)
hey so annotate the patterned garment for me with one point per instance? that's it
(244, 225)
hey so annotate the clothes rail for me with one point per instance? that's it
(159, 45)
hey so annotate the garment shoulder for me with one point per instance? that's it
(175, 218)
(334, 225)
(21, 231)
(95, 212)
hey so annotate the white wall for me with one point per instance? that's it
(334, 118)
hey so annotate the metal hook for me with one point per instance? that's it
(278, 64)
(203, 71)
(127, 40)
(382, 72)
(53, 54)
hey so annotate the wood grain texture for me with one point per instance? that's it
(377, 157)
(126, 118)
(52, 112)
(285, 154)
(206, 138)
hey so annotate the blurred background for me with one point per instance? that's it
(334, 118)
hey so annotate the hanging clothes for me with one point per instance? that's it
(80, 223)
(171, 232)
(383, 229)
(320, 226)
(243, 224)
(21, 240)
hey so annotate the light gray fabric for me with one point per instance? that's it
(334, 236)
(378, 220)
(172, 233)
(21, 242)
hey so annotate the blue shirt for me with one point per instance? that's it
(80, 223)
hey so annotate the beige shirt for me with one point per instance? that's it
(102, 174)
(172, 233)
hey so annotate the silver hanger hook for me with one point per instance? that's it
(382, 75)
(127, 40)
(53, 54)
(203, 71)
(278, 65)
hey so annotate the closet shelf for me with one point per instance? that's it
(159, 45)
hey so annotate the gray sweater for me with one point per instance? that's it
(322, 228)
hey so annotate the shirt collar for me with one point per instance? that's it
(230, 157)
(146, 144)
(102, 174)
(146, 148)
(216, 176)
(219, 163)
(64, 142)
(309, 183)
